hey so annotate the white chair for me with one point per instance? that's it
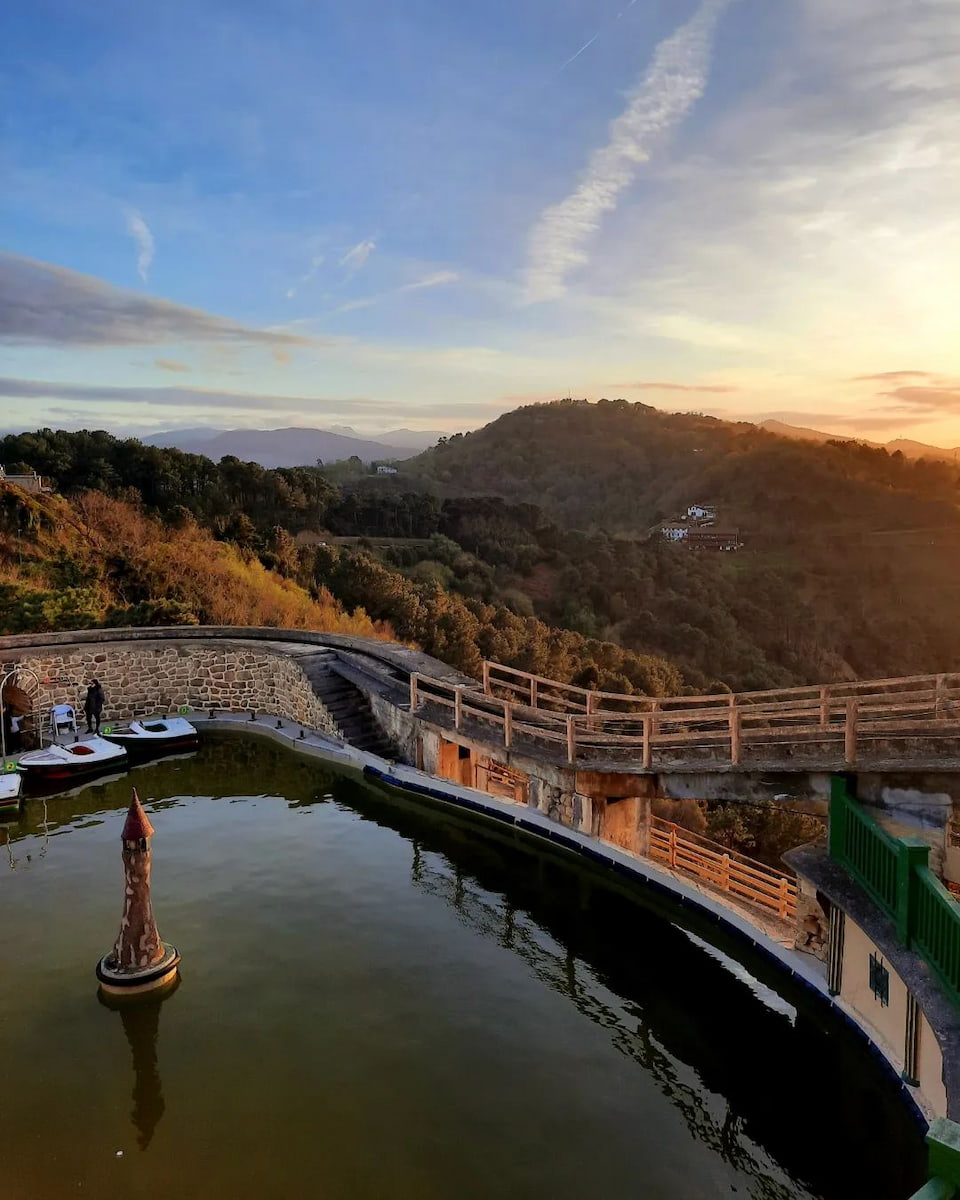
(63, 719)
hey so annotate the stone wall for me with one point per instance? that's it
(150, 678)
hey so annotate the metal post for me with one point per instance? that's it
(850, 732)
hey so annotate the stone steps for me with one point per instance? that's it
(346, 704)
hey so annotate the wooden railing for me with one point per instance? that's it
(723, 869)
(835, 720)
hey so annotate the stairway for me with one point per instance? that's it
(348, 706)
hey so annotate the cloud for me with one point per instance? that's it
(677, 387)
(852, 421)
(170, 364)
(891, 376)
(199, 399)
(941, 399)
(672, 84)
(44, 305)
(357, 255)
(139, 230)
(437, 279)
(315, 264)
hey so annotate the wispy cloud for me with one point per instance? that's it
(654, 386)
(672, 84)
(315, 264)
(891, 376)
(357, 255)
(171, 364)
(200, 399)
(944, 398)
(437, 279)
(139, 230)
(43, 305)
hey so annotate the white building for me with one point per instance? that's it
(674, 531)
(700, 512)
(383, 469)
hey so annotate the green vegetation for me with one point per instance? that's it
(532, 542)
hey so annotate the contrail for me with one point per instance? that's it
(585, 46)
(672, 84)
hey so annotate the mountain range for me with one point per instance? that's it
(908, 448)
(294, 446)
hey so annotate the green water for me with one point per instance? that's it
(382, 1001)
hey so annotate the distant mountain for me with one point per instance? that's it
(291, 447)
(906, 447)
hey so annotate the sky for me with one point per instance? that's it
(220, 212)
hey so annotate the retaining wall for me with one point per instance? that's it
(152, 677)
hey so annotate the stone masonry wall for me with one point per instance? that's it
(155, 678)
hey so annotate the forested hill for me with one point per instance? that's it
(622, 467)
(851, 564)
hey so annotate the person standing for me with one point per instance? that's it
(93, 706)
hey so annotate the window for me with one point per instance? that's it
(879, 980)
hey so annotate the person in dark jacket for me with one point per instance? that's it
(93, 706)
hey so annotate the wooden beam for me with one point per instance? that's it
(486, 678)
(850, 733)
(571, 739)
(734, 735)
(507, 724)
(824, 707)
(458, 707)
(533, 691)
(647, 747)
(413, 691)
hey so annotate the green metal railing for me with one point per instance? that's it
(894, 872)
(943, 1154)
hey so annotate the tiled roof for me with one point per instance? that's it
(137, 824)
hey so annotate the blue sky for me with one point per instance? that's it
(424, 213)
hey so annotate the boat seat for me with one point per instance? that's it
(63, 719)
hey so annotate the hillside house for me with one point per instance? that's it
(702, 512)
(383, 469)
(29, 481)
(674, 531)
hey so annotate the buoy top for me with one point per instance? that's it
(137, 826)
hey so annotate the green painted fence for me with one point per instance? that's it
(894, 872)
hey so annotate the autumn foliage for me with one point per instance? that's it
(98, 560)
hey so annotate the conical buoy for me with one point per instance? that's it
(139, 962)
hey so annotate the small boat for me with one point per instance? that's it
(11, 783)
(73, 760)
(155, 735)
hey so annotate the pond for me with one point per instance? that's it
(380, 999)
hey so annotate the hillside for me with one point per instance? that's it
(908, 448)
(101, 561)
(850, 566)
(623, 467)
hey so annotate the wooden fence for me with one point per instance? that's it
(835, 721)
(723, 869)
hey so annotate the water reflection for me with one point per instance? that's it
(141, 1026)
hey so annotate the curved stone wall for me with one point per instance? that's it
(153, 676)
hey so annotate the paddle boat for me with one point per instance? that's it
(11, 783)
(154, 735)
(58, 762)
